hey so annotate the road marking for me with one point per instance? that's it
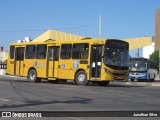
(5, 100)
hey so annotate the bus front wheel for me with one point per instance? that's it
(32, 76)
(81, 78)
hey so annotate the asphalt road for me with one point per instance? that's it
(20, 95)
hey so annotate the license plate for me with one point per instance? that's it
(136, 76)
(119, 78)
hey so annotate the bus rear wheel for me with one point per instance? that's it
(81, 78)
(32, 76)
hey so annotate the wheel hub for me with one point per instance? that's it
(81, 78)
(32, 76)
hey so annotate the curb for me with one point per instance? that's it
(143, 84)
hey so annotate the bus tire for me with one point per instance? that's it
(32, 76)
(81, 78)
(132, 80)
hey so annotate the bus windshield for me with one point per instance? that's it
(138, 66)
(116, 54)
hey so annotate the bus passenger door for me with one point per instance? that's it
(19, 61)
(96, 59)
(53, 58)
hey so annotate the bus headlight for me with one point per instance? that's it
(107, 71)
(116, 74)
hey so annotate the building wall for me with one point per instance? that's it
(148, 50)
(3, 55)
(142, 52)
(157, 30)
(1, 48)
(136, 52)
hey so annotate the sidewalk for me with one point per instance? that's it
(156, 82)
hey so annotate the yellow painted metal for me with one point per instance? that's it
(52, 35)
(63, 68)
(10, 66)
(52, 64)
(141, 42)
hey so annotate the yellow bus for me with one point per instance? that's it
(96, 60)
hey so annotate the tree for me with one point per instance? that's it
(155, 58)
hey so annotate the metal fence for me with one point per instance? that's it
(3, 65)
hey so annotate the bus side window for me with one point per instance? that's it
(30, 51)
(41, 51)
(66, 51)
(12, 48)
(80, 51)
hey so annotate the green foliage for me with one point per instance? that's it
(155, 58)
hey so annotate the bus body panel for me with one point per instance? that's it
(64, 69)
(28, 63)
(93, 65)
(68, 68)
(138, 75)
(10, 67)
(112, 74)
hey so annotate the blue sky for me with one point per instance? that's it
(120, 18)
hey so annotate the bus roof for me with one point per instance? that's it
(84, 40)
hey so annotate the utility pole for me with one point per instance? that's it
(138, 52)
(100, 26)
(159, 62)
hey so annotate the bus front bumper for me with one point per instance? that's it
(141, 76)
(117, 76)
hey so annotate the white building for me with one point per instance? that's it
(142, 48)
(148, 50)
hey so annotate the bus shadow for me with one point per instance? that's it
(73, 100)
(70, 82)
(96, 85)
(127, 86)
(14, 80)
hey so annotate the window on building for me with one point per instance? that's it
(12, 48)
(30, 51)
(41, 52)
(66, 51)
(80, 51)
